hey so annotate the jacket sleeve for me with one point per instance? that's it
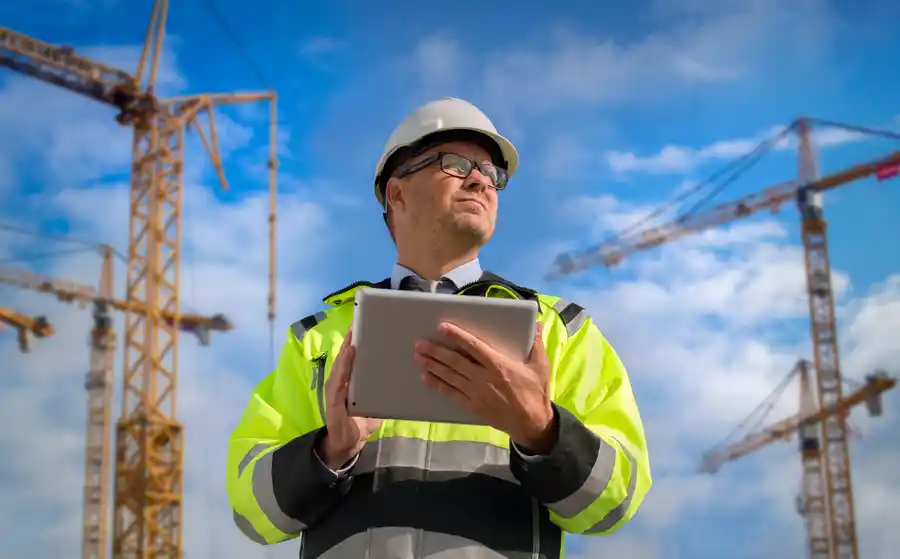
(596, 476)
(277, 486)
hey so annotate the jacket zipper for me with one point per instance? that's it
(318, 383)
(535, 529)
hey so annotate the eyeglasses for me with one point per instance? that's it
(461, 167)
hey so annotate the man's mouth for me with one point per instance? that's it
(474, 201)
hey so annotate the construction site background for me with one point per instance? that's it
(94, 305)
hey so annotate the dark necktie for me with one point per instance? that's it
(413, 283)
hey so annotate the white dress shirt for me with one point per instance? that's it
(460, 276)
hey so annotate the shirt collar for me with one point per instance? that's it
(460, 276)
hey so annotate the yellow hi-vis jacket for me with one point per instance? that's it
(439, 491)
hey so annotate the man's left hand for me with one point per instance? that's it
(509, 395)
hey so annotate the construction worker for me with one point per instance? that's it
(565, 451)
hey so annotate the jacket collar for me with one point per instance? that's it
(477, 288)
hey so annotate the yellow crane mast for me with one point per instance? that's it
(833, 461)
(99, 381)
(806, 424)
(149, 438)
(27, 327)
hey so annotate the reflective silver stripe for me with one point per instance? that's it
(616, 515)
(576, 321)
(437, 456)
(247, 529)
(302, 326)
(319, 382)
(593, 486)
(264, 493)
(412, 542)
(251, 454)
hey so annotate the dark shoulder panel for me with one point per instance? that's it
(304, 325)
(572, 314)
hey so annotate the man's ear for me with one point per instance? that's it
(393, 194)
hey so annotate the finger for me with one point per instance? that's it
(340, 369)
(478, 349)
(451, 358)
(537, 348)
(448, 375)
(339, 397)
(433, 381)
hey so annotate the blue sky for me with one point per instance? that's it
(614, 110)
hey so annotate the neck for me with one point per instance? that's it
(434, 261)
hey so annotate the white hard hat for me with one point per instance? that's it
(443, 115)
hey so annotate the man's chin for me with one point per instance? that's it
(475, 230)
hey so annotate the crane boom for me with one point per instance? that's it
(786, 428)
(71, 292)
(770, 199)
(26, 327)
(60, 66)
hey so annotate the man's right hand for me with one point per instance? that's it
(345, 435)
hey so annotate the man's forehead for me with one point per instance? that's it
(468, 149)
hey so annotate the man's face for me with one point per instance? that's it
(432, 200)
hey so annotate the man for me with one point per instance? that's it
(565, 450)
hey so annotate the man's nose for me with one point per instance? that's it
(476, 181)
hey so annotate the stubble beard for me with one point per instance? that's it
(468, 231)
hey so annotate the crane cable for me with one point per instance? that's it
(264, 82)
(43, 255)
(12, 228)
(762, 410)
(736, 168)
(743, 164)
(255, 69)
(864, 130)
(261, 78)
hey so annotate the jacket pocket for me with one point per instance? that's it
(318, 383)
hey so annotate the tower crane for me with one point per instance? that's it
(833, 460)
(99, 380)
(27, 327)
(806, 424)
(149, 438)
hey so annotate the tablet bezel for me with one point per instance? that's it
(386, 382)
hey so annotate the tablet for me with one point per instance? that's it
(386, 382)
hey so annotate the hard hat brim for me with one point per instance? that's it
(507, 150)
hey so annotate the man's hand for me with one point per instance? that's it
(345, 435)
(509, 395)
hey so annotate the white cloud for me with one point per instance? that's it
(93, 146)
(708, 326)
(561, 69)
(678, 159)
(317, 47)
(439, 64)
